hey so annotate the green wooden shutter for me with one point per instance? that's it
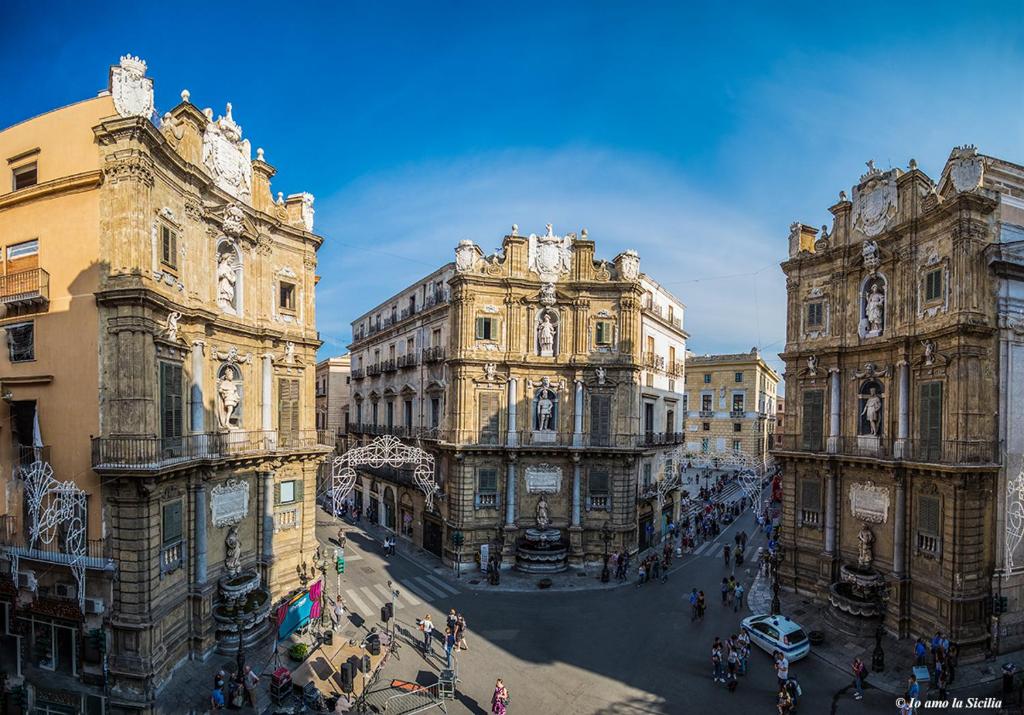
(810, 495)
(171, 399)
(488, 402)
(930, 427)
(172, 522)
(928, 515)
(600, 419)
(813, 419)
(287, 409)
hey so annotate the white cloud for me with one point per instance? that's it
(388, 230)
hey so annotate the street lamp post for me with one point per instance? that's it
(240, 622)
(774, 560)
(606, 536)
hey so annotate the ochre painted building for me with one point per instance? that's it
(159, 359)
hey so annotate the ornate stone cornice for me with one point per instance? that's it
(49, 189)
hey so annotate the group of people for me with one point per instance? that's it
(729, 659)
(454, 635)
(654, 567)
(732, 593)
(944, 655)
(234, 691)
(789, 688)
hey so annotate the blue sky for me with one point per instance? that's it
(693, 134)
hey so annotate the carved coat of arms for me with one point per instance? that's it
(874, 201)
(228, 157)
(965, 168)
(550, 255)
(130, 89)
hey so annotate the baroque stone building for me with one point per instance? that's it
(545, 383)
(730, 405)
(158, 384)
(902, 446)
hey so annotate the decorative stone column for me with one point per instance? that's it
(200, 531)
(512, 439)
(903, 428)
(899, 527)
(197, 407)
(510, 494)
(833, 422)
(576, 469)
(268, 520)
(267, 422)
(830, 512)
(577, 432)
(575, 529)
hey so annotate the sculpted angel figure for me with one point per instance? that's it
(233, 555)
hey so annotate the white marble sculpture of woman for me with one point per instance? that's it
(226, 283)
(227, 391)
(874, 309)
(865, 539)
(546, 336)
(233, 552)
(872, 410)
(543, 518)
(544, 409)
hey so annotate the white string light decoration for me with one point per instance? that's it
(57, 513)
(751, 469)
(1014, 516)
(384, 450)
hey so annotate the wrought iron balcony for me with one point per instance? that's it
(373, 370)
(358, 373)
(25, 288)
(707, 414)
(155, 454)
(433, 354)
(976, 451)
(98, 553)
(737, 414)
(653, 361)
(407, 360)
(654, 439)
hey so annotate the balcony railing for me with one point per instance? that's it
(653, 361)
(148, 453)
(98, 553)
(661, 312)
(172, 557)
(358, 373)
(655, 439)
(24, 288)
(373, 370)
(433, 354)
(707, 414)
(737, 414)
(676, 368)
(887, 448)
(407, 360)
(435, 297)
(388, 365)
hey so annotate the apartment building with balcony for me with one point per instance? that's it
(333, 385)
(157, 422)
(524, 373)
(730, 402)
(904, 354)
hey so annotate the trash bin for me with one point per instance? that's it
(1008, 670)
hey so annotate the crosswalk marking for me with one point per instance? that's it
(413, 587)
(451, 589)
(402, 598)
(423, 585)
(352, 598)
(371, 597)
(702, 548)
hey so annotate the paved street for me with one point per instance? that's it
(639, 654)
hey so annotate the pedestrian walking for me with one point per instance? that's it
(781, 668)
(859, 671)
(919, 652)
(664, 568)
(784, 702)
(943, 682)
(449, 644)
(737, 598)
(725, 591)
(693, 605)
(452, 620)
(717, 673)
(701, 605)
(426, 627)
(461, 631)
(913, 692)
(641, 575)
(727, 554)
(337, 613)
(655, 568)
(952, 656)
(744, 644)
(499, 701)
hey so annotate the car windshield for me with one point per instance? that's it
(796, 637)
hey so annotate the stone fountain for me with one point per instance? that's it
(242, 597)
(542, 549)
(857, 597)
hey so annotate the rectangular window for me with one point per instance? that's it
(603, 332)
(670, 421)
(600, 419)
(374, 413)
(930, 427)
(649, 420)
(737, 445)
(171, 397)
(707, 426)
(21, 341)
(737, 403)
(705, 444)
(286, 296)
(686, 404)
(486, 329)
(25, 176)
(287, 409)
(286, 492)
(598, 483)
(172, 523)
(705, 403)
(168, 247)
(929, 524)
(933, 285)
(815, 314)
(647, 476)
(435, 338)
(487, 480)
(488, 402)
(671, 385)
(810, 502)
(707, 378)
(435, 411)
(813, 419)
(739, 377)
(737, 426)
(23, 250)
(391, 414)
(650, 379)
(407, 416)
(410, 346)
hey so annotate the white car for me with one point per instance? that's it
(777, 633)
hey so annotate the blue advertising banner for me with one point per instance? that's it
(294, 615)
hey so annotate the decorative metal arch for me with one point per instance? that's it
(384, 450)
(57, 512)
(751, 469)
(1014, 517)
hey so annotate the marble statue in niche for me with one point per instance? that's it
(233, 552)
(873, 302)
(865, 541)
(227, 278)
(547, 333)
(543, 517)
(228, 398)
(871, 409)
(545, 409)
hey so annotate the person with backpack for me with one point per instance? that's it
(859, 671)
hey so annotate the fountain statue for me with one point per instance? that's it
(241, 593)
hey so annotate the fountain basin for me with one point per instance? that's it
(542, 551)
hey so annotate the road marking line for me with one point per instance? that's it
(371, 597)
(451, 589)
(407, 596)
(352, 597)
(387, 594)
(422, 592)
(424, 585)
(700, 549)
(352, 557)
